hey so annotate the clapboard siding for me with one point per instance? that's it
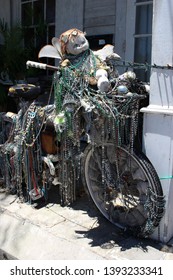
(101, 21)
(69, 14)
(100, 30)
(89, 4)
(99, 16)
(100, 11)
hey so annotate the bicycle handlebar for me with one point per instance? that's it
(45, 66)
(39, 65)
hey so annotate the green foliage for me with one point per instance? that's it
(12, 55)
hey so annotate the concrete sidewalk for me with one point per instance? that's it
(52, 232)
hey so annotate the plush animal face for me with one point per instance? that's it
(73, 42)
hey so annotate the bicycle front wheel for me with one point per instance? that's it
(125, 187)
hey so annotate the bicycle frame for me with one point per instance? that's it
(44, 147)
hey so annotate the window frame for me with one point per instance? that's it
(131, 34)
(35, 25)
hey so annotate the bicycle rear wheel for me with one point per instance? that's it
(124, 186)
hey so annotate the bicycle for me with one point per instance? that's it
(92, 138)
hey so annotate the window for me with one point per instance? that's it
(143, 36)
(38, 20)
(98, 41)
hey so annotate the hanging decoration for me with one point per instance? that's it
(94, 108)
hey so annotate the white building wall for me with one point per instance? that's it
(162, 81)
(158, 116)
(69, 15)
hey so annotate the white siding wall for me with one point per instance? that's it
(69, 14)
(99, 17)
(158, 117)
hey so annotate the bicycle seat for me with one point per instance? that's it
(24, 91)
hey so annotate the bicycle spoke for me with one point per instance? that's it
(123, 197)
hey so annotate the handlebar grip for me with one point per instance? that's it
(34, 64)
(39, 65)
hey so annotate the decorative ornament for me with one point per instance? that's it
(122, 89)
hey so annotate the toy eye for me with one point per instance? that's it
(64, 38)
(74, 33)
(76, 45)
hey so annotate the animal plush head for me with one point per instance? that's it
(73, 42)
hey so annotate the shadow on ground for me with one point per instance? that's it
(102, 233)
(105, 234)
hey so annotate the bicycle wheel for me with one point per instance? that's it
(124, 186)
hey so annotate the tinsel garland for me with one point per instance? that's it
(75, 99)
(80, 113)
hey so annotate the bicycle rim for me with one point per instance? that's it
(125, 188)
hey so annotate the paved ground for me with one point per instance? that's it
(51, 232)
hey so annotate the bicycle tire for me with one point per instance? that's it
(138, 182)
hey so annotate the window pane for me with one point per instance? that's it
(38, 11)
(143, 49)
(41, 41)
(27, 14)
(51, 33)
(50, 11)
(29, 35)
(142, 55)
(144, 19)
(98, 41)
